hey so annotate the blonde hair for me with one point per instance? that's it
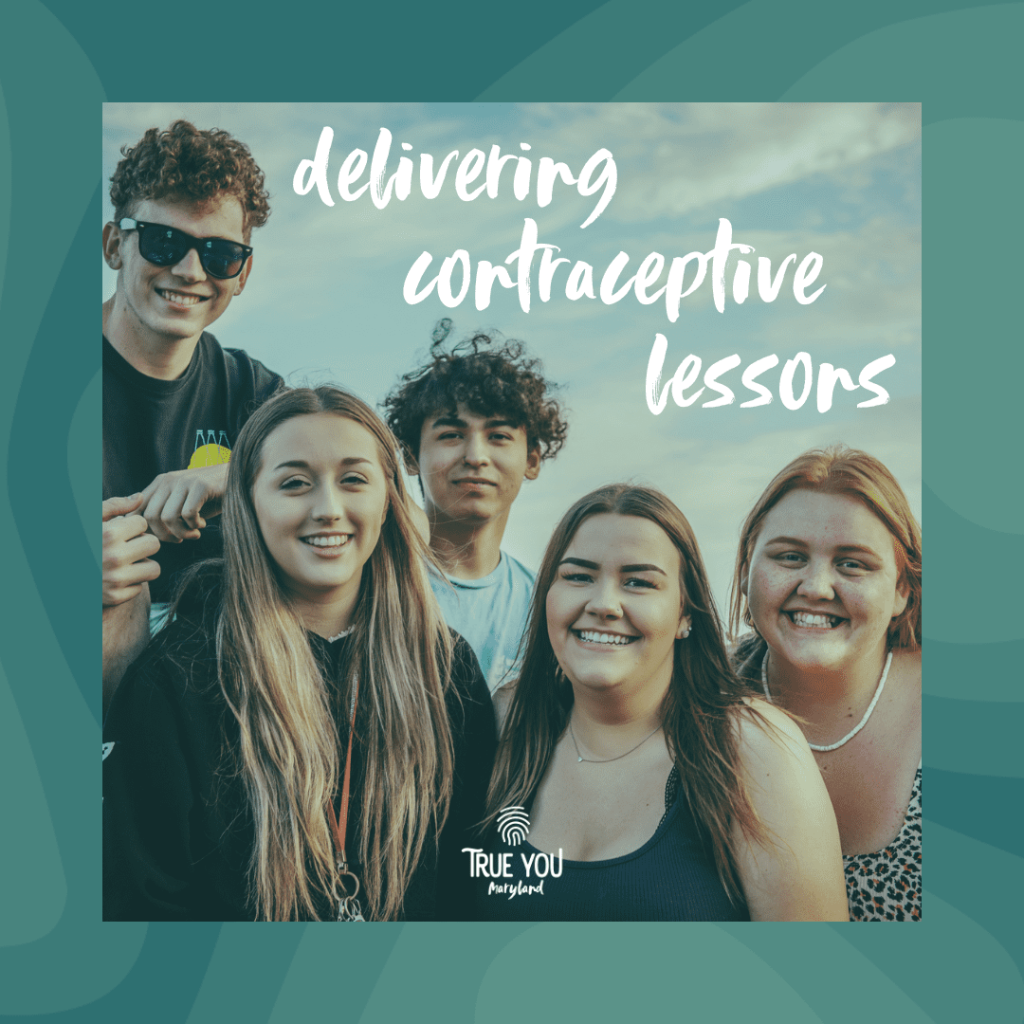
(848, 471)
(700, 711)
(290, 750)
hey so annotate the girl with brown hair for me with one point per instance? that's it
(829, 575)
(655, 788)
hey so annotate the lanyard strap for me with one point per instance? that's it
(339, 822)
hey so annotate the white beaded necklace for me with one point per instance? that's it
(857, 728)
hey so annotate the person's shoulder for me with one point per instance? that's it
(246, 381)
(517, 569)
(789, 862)
(209, 341)
(117, 369)
(246, 363)
(768, 739)
(181, 657)
(173, 680)
(440, 584)
(208, 350)
(180, 661)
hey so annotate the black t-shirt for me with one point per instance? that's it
(177, 831)
(155, 426)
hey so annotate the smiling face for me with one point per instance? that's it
(320, 499)
(471, 466)
(615, 608)
(177, 302)
(822, 585)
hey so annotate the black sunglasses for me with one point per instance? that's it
(164, 246)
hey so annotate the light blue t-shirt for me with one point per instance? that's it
(491, 613)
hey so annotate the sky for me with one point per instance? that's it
(324, 301)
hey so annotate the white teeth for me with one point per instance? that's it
(592, 637)
(326, 542)
(181, 298)
(806, 619)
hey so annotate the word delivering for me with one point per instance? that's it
(598, 175)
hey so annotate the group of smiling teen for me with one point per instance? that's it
(342, 705)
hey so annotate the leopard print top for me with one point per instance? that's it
(882, 886)
(886, 886)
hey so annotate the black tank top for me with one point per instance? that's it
(672, 877)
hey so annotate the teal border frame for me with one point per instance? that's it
(59, 61)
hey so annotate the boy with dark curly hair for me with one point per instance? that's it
(474, 423)
(185, 204)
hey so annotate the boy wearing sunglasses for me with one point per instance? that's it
(185, 204)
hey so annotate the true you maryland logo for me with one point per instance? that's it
(514, 827)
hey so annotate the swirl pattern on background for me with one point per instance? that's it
(57, 63)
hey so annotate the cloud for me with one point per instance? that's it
(686, 158)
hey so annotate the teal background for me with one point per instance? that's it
(58, 62)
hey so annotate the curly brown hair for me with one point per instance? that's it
(487, 374)
(191, 165)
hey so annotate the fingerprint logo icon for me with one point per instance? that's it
(513, 825)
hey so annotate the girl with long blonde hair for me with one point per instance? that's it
(305, 740)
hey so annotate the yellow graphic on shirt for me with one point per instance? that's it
(209, 455)
(211, 449)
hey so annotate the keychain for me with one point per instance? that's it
(348, 906)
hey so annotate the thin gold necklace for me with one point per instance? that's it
(605, 760)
